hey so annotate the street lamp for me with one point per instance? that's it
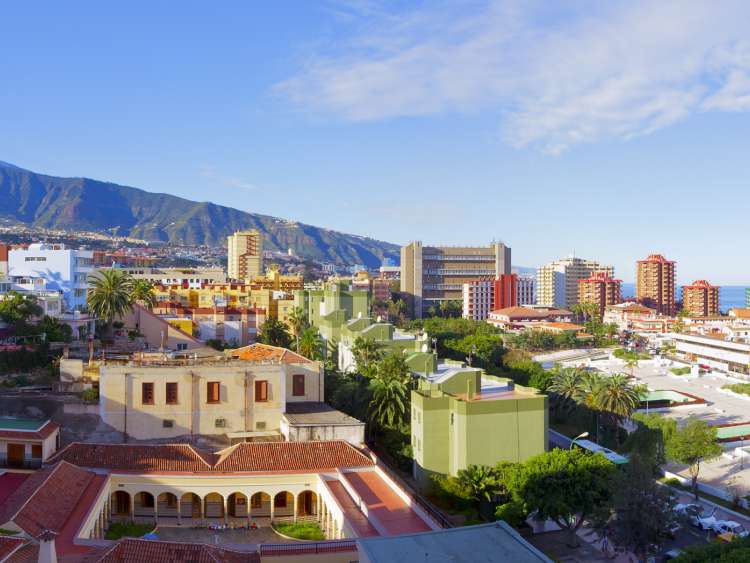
(580, 436)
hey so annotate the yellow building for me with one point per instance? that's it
(239, 396)
(245, 254)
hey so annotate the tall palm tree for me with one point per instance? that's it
(566, 385)
(631, 362)
(390, 386)
(110, 295)
(618, 398)
(143, 292)
(589, 389)
(298, 322)
(309, 343)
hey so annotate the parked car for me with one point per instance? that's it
(730, 527)
(691, 512)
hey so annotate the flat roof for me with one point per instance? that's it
(21, 424)
(492, 542)
(313, 413)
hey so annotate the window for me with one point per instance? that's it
(166, 423)
(147, 393)
(171, 393)
(256, 500)
(213, 392)
(36, 451)
(260, 425)
(261, 391)
(298, 385)
(279, 501)
(220, 423)
(181, 346)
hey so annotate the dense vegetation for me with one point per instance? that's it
(119, 530)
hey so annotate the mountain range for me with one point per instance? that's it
(52, 202)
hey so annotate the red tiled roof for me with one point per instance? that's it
(143, 458)
(291, 456)
(149, 551)
(9, 482)
(244, 457)
(44, 432)
(29, 553)
(8, 545)
(49, 507)
(266, 353)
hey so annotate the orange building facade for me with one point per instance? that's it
(700, 299)
(655, 284)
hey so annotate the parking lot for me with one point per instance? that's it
(720, 409)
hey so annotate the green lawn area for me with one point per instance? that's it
(681, 371)
(300, 530)
(4, 532)
(119, 530)
(743, 388)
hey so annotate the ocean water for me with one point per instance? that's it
(729, 295)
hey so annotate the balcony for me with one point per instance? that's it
(25, 463)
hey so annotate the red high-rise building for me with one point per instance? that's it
(505, 292)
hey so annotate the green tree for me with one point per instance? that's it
(110, 295)
(298, 322)
(650, 437)
(367, 352)
(565, 486)
(566, 385)
(619, 398)
(642, 511)
(18, 308)
(310, 343)
(54, 330)
(692, 444)
(736, 551)
(480, 482)
(631, 362)
(273, 332)
(143, 292)
(390, 387)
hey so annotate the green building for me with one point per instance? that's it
(462, 416)
(387, 336)
(330, 307)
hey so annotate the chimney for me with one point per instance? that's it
(47, 553)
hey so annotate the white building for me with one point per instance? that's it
(50, 301)
(478, 299)
(63, 269)
(526, 290)
(729, 354)
(557, 282)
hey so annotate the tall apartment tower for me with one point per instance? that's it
(557, 282)
(601, 290)
(432, 274)
(654, 284)
(245, 254)
(526, 290)
(701, 299)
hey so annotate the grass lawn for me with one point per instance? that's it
(4, 532)
(119, 530)
(300, 530)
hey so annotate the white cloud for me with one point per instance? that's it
(556, 74)
(210, 173)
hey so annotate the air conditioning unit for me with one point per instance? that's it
(221, 423)
(166, 423)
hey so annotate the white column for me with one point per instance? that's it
(179, 511)
(294, 505)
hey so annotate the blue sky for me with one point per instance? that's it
(612, 130)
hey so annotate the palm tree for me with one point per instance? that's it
(589, 389)
(390, 386)
(619, 398)
(566, 385)
(309, 343)
(631, 362)
(110, 295)
(298, 322)
(480, 482)
(366, 352)
(143, 292)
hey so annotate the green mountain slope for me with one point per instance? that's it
(84, 204)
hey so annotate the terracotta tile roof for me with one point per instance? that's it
(8, 545)
(44, 432)
(29, 553)
(50, 505)
(529, 313)
(148, 551)
(291, 456)
(244, 457)
(142, 458)
(266, 353)
(740, 313)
